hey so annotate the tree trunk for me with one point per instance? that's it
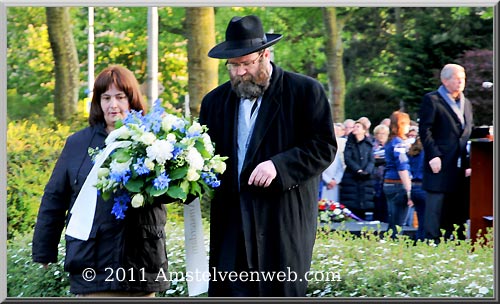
(202, 70)
(65, 61)
(335, 69)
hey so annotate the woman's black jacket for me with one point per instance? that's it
(126, 255)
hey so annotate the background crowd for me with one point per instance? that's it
(365, 174)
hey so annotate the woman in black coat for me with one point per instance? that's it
(356, 191)
(120, 257)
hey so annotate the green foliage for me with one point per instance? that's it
(29, 59)
(478, 66)
(432, 37)
(26, 278)
(33, 147)
(374, 100)
(403, 48)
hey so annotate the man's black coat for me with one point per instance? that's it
(442, 136)
(294, 129)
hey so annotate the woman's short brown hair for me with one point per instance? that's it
(125, 81)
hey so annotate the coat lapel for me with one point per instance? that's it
(269, 108)
(452, 114)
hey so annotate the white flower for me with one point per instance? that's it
(217, 164)
(171, 138)
(119, 168)
(337, 211)
(148, 162)
(170, 121)
(102, 172)
(192, 175)
(161, 151)
(194, 130)
(147, 138)
(194, 159)
(122, 132)
(207, 142)
(137, 200)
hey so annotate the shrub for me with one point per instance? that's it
(33, 147)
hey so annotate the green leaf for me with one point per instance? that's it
(201, 148)
(105, 195)
(195, 189)
(121, 155)
(134, 185)
(176, 192)
(158, 192)
(118, 124)
(178, 173)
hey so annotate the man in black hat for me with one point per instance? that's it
(277, 130)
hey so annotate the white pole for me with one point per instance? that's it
(152, 78)
(187, 110)
(90, 59)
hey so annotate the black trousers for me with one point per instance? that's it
(444, 211)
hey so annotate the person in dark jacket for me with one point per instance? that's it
(357, 189)
(264, 215)
(120, 257)
(445, 126)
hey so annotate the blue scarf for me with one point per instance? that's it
(457, 107)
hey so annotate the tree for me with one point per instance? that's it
(478, 66)
(202, 70)
(65, 61)
(334, 51)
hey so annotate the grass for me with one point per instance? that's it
(365, 266)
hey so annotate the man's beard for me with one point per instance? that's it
(249, 86)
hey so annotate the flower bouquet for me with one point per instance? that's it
(331, 211)
(157, 154)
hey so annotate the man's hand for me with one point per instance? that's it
(468, 172)
(263, 174)
(435, 164)
(331, 184)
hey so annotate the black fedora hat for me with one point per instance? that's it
(244, 35)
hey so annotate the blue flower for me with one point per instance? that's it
(152, 120)
(210, 179)
(133, 117)
(177, 151)
(120, 177)
(161, 182)
(140, 168)
(121, 200)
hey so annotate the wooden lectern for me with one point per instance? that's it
(481, 186)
